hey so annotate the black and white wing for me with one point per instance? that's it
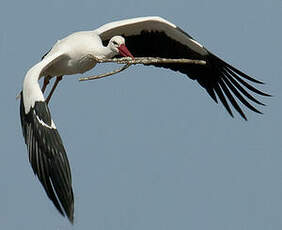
(47, 154)
(157, 37)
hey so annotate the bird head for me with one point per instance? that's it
(117, 45)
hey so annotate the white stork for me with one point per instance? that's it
(144, 37)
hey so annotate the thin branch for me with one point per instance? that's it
(139, 60)
(150, 60)
(105, 74)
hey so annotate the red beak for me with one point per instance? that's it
(123, 51)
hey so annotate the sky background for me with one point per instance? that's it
(148, 148)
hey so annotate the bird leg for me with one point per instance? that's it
(58, 79)
(45, 83)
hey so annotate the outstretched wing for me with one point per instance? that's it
(157, 37)
(47, 154)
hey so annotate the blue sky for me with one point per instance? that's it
(148, 148)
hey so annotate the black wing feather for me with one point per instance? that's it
(159, 44)
(240, 88)
(239, 96)
(222, 99)
(231, 98)
(48, 157)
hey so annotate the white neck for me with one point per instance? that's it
(104, 52)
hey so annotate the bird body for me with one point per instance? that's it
(79, 48)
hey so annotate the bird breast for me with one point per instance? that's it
(72, 65)
(79, 49)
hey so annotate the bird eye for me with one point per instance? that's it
(115, 43)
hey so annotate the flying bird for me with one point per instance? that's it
(77, 53)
